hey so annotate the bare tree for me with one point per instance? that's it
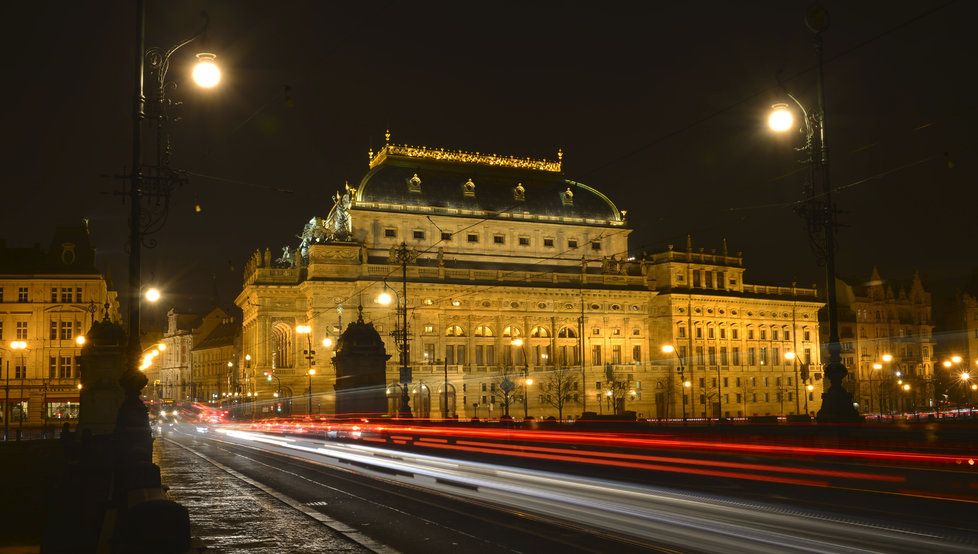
(619, 385)
(560, 388)
(508, 385)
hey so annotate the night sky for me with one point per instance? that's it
(660, 105)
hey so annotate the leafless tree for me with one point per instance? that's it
(560, 388)
(619, 385)
(508, 385)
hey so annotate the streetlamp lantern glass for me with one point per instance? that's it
(780, 119)
(384, 298)
(887, 358)
(153, 295)
(206, 73)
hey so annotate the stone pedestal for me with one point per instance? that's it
(103, 361)
(361, 374)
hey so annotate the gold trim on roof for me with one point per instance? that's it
(458, 156)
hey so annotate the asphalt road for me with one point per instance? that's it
(405, 500)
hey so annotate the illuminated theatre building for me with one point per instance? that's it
(498, 249)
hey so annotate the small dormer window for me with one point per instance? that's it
(414, 184)
(567, 197)
(468, 189)
(519, 192)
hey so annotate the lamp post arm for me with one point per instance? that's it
(159, 59)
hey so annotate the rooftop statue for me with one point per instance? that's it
(287, 259)
(342, 225)
(313, 232)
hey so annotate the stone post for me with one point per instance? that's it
(361, 374)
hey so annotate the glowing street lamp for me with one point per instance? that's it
(384, 298)
(670, 349)
(519, 343)
(780, 119)
(153, 295)
(206, 73)
(80, 340)
(956, 359)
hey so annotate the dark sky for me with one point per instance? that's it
(659, 104)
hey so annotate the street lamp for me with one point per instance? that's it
(792, 357)
(206, 73)
(402, 255)
(156, 188)
(521, 344)
(153, 295)
(780, 119)
(310, 373)
(670, 349)
(7, 411)
(819, 211)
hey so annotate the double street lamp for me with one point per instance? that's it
(819, 211)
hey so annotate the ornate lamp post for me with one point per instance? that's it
(670, 349)
(526, 378)
(819, 211)
(402, 255)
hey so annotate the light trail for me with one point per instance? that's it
(647, 513)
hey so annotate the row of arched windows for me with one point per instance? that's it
(510, 331)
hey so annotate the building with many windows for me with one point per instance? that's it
(215, 360)
(745, 349)
(48, 299)
(886, 331)
(517, 283)
(171, 375)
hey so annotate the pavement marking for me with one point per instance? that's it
(333, 524)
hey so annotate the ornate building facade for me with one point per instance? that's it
(48, 299)
(886, 330)
(171, 374)
(519, 293)
(747, 350)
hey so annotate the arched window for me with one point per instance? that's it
(512, 331)
(282, 353)
(484, 331)
(454, 331)
(566, 333)
(540, 332)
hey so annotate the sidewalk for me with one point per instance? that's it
(228, 515)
